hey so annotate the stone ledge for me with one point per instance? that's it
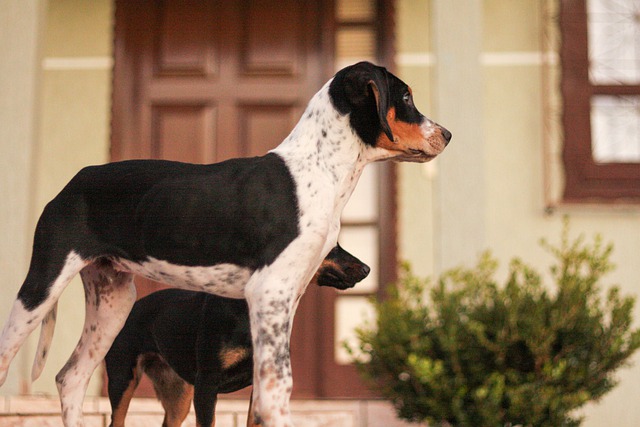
(36, 411)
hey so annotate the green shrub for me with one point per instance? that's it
(467, 352)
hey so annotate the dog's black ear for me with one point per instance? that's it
(362, 89)
(380, 89)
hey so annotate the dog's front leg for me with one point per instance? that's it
(271, 314)
(272, 294)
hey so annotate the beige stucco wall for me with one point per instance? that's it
(509, 146)
(21, 26)
(74, 132)
(57, 121)
(414, 61)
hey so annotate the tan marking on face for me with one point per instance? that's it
(231, 356)
(423, 141)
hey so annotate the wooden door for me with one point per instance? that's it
(204, 81)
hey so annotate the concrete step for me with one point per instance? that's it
(43, 411)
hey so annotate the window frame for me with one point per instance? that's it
(587, 181)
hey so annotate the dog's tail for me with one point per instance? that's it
(46, 335)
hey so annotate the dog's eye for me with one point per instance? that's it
(407, 98)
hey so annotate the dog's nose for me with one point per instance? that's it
(365, 270)
(446, 135)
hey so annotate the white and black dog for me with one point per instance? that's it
(255, 228)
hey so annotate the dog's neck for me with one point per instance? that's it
(323, 142)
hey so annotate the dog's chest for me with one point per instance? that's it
(226, 280)
(321, 199)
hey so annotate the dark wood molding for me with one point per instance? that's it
(587, 181)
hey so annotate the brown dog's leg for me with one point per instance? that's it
(177, 409)
(174, 393)
(120, 412)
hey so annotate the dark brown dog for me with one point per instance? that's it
(194, 345)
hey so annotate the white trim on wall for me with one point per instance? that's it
(77, 63)
(407, 59)
(487, 59)
(518, 58)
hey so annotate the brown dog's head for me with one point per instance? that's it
(382, 113)
(340, 270)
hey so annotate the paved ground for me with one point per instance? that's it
(34, 411)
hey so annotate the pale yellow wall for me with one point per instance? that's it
(511, 218)
(415, 195)
(75, 120)
(70, 129)
(21, 26)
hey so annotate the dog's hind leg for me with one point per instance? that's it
(124, 373)
(37, 297)
(174, 393)
(109, 296)
(177, 409)
(123, 381)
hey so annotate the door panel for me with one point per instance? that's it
(184, 133)
(178, 32)
(273, 38)
(264, 126)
